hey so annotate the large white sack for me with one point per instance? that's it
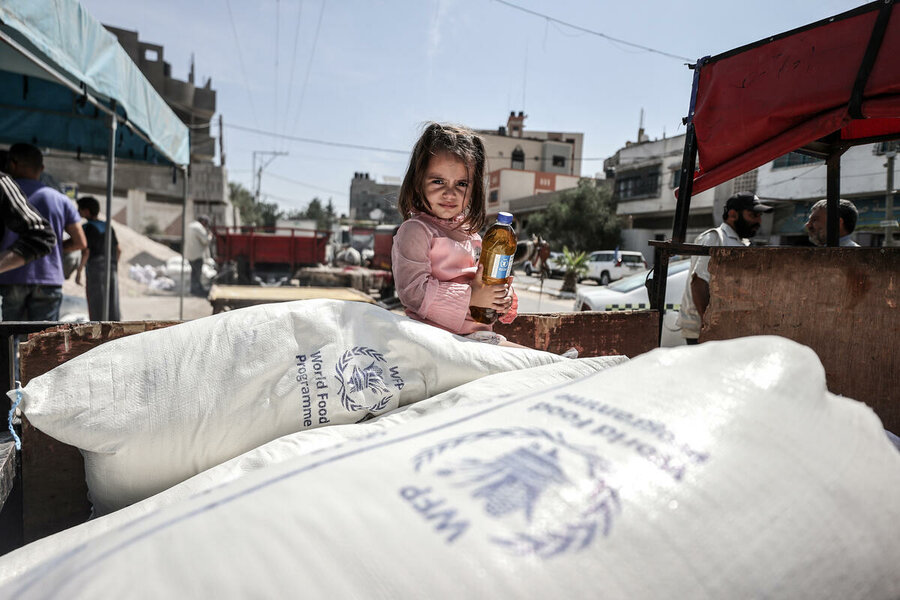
(723, 470)
(486, 389)
(153, 409)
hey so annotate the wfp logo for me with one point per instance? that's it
(365, 381)
(542, 495)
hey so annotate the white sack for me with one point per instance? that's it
(486, 389)
(723, 470)
(153, 409)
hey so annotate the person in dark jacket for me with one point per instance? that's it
(35, 237)
(93, 260)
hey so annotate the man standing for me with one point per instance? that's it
(94, 258)
(196, 251)
(34, 236)
(34, 292)
(741, 220)
(818, 217)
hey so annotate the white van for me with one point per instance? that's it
(609, 265)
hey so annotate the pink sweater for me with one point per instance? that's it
(433, 262)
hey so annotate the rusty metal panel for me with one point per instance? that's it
(592, 333)
(841, 302)
(54, 489)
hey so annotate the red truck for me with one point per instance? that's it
(247, 255)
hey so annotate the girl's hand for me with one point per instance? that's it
(489, 296)
(509, 296)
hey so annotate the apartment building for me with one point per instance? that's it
(524, 163)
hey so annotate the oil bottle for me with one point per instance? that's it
(497, 250)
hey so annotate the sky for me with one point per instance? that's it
(371, 73)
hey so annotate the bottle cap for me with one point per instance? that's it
(504, 218)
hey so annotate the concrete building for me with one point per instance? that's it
(794, 182)
(368, 195)
(524, 163)
(148, 198)
(646, 176)
(520, 166)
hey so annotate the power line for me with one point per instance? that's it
(294, 58)
(295, 138)
(237, 44)
(309, 64)
(592, 32)
(309, 185)
(275, 95)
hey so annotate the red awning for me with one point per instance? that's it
(759, 102)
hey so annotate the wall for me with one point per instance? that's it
(844, 303)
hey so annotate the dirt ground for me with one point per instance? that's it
(137, 300)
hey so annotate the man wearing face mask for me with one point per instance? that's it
(741, 220)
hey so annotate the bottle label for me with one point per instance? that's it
(499, 267)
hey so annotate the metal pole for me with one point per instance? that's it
(184, 199)
(889, 223)
(833, 196)
(107, 239)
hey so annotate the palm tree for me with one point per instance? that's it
(575, 266)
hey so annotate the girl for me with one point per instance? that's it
(435, 251)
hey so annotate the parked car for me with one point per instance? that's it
(554, 264)
(609, 265)
(630, 293)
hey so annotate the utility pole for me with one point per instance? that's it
(266, 158)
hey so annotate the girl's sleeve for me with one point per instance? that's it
(442, 302)
(513, 310)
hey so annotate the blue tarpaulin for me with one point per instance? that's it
(50, 108)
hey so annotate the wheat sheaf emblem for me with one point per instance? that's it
(355, 380)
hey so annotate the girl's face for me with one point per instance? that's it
(447, 186)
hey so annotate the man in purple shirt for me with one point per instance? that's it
(34, 292)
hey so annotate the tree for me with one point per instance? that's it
(242, 200)
(264, 214)
(575, 265)
(583, 219)
(324, 217)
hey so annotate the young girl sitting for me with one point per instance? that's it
(435, 251)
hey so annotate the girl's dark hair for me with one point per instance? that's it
(460, 142)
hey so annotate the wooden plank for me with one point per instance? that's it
(7, 470)
(592, 333)
(54, 489)
(844, 303)
(10, 498)
(231, 297)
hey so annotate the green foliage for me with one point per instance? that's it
(574, 261)
(324, 217)
(583, 218)
(576, 266)
(259, 214)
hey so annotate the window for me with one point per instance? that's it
(793, 159)
(518, 158)
(559, 161)
(745, 182)
(492, 197)
(151, 55)
(638, 183)
(676, 178)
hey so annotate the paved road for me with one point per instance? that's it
(532, 300)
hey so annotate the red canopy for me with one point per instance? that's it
(761, 101)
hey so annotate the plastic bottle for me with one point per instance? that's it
(497, 251)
